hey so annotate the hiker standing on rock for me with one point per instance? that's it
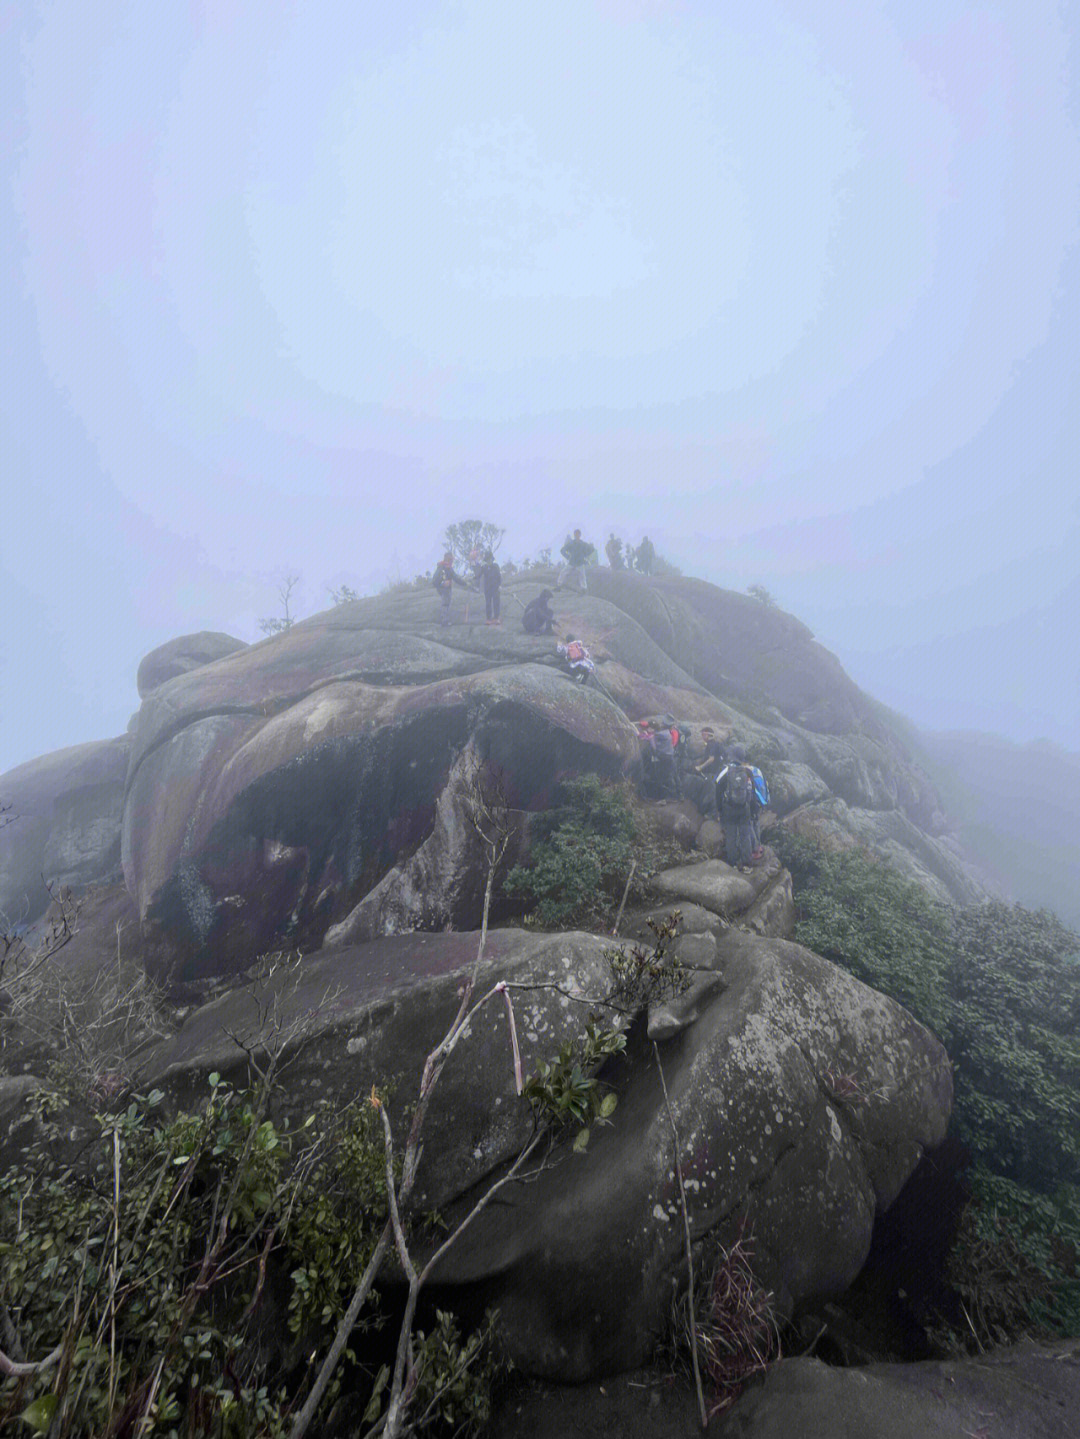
(491, 578)
(644, 556)
(444, 579)
(702, 782)
(613, 550)
(576, 553)
(736, 801)
(663, 768)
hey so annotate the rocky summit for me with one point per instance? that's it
(315, 793)
(312, 784)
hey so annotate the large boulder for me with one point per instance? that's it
(580, 1261)
(181, 655)
(316, 784)
(273, 793)
(1025, 1392)
(63, 824)
(928, 861)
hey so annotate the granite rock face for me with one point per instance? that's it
(65, 819)
(802, 1101)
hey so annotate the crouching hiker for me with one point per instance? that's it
(539, 617)
(444, 579)
(578, 660)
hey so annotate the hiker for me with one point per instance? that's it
(577, 657)
(613, 550)
(576, 553)
(702, 781)
(645, 555)
(491, 579)
(444, 579)
(539, 617)
(678, 750)
(665, 780)
(476, 565)
(736, 800)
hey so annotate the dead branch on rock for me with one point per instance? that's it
(489, 815)
(690, 1305)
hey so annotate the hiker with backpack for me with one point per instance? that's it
(491, 579)
(539, 617)
(576, 553)
(444, 579)
(736, 801)
(613, 550)
(578, 660)
(664, 775)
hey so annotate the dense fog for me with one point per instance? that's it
(794, 292)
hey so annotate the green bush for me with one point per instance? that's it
(157, 1258)
(1000, 986)
(581, 856)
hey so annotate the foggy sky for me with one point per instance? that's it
(793, 288)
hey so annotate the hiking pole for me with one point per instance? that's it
(626, 891)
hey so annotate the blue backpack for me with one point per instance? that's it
(761, 786)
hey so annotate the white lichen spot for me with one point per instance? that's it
(355, 1046)
(659, 1212)
(834, 1124)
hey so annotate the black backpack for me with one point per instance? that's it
(738, 792)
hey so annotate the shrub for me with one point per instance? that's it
(1000, 986)
(581, 856)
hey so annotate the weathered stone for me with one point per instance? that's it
(66, 810)
(243, 831)
(714, 885)
(696, 951)
(181, 655)
(580, 1261)
(927, 861)
(773, 912)
(710, 838)
(1024, 1392)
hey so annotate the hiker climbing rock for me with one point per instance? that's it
(444, 579)
(539, 617)
(575, 552)
(614, 552)
(578, 660)
(491, 579)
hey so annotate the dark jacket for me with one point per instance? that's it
(538, 614)
(576, 552)
(491, 576)
(444, 576)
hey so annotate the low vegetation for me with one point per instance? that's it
(1000, 986)
(582, 853)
